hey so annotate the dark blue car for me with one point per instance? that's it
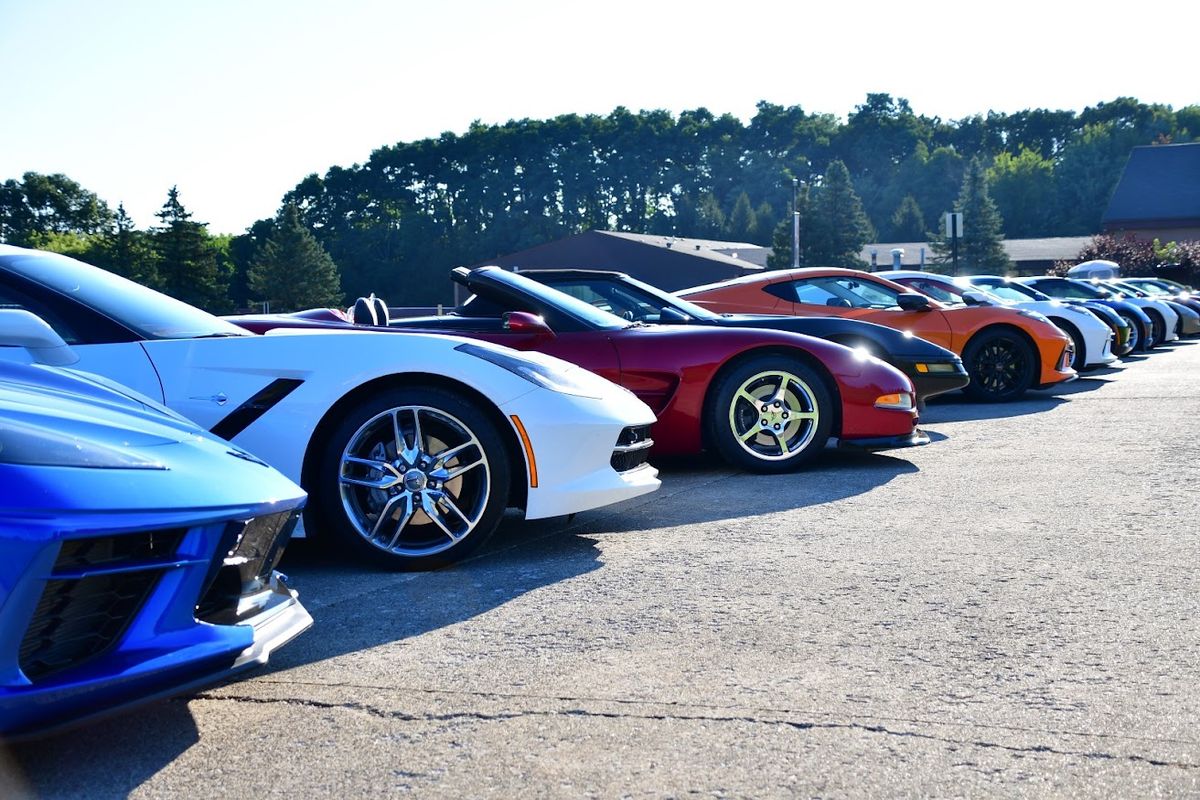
(1141, 334)
(137, 552)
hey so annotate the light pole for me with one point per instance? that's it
(795, 226)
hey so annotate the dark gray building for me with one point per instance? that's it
(1158, 196)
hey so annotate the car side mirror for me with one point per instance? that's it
(911, 301)
(526, 323)
(19, 328)
(975, 299)
(672, 316)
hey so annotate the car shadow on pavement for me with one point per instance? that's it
(345, 598)
(961, 409)
(109, 758)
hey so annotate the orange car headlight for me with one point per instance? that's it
(900, 401)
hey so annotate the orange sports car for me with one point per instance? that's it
(1006, 351)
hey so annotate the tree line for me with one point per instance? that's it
(397, 222)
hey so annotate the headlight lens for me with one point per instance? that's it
(574, 381)
(31, 445)
(1024, 312)
(899, 401)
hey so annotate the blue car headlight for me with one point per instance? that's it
(32, 445)
(575, 381)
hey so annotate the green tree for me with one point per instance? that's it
(291, 270)
(837, 227)
(1023, 188)
(908, 223)
(742, 225)
(129, 252)
(979, 247)
(187, 259)
(45, 204)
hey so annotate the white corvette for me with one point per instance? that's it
(410, 446)
(1091, 337)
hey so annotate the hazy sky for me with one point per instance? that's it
(235, 101)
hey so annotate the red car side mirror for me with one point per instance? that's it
(529, 324)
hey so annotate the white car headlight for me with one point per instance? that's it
(36, 446)
(575, 381)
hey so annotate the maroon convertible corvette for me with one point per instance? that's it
(765, 400)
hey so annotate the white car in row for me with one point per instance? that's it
(1091, 336)
(410, 446)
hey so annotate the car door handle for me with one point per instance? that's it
(219, 398)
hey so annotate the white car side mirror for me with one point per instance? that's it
(20, 328)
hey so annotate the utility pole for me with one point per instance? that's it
(795, 226)
(954, 223)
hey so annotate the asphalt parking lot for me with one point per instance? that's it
(1011, 610)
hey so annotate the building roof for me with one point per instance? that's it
(1056, 248)
(1160, 187)
(665, 261)
(743, 255)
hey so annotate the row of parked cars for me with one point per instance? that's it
(155, 459)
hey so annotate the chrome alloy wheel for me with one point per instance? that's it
(774, 415)
(414, 481)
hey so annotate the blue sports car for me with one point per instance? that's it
(137, 552)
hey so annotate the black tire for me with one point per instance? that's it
(1001, 364)
(1158, 329)
(1135, 332)
(421, 512)
(1079, 360)
(794, 426)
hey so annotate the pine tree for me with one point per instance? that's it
(980, 248)
(839, 227)
(710, 218)
(187, 261)
(908, 223)
(127, 252)
(291, 270)
(743, 223)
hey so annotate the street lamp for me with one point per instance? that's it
(795, 226)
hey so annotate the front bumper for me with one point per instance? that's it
(915, 439)
(578, 444)
(131, 608)
(931, 382)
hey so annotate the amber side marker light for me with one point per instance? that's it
(900, 400)
(937, 367)
(528, 450)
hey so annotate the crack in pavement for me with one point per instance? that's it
(407, 689)
(798, 726)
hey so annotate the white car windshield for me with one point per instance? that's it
(148, 313)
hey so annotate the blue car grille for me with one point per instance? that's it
(81, 616)
(250, 550)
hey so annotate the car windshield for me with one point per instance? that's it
(935, 289)
(1152, 287)
(623, 296)
(846, 292)
(148, 313)
(534, 297)
(1008, 291)
(1077, 290)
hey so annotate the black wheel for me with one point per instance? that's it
(1001, 364)
(415, 478)
(1158, 330)
(1079, 357)
(770, 413)
(1135, 332)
